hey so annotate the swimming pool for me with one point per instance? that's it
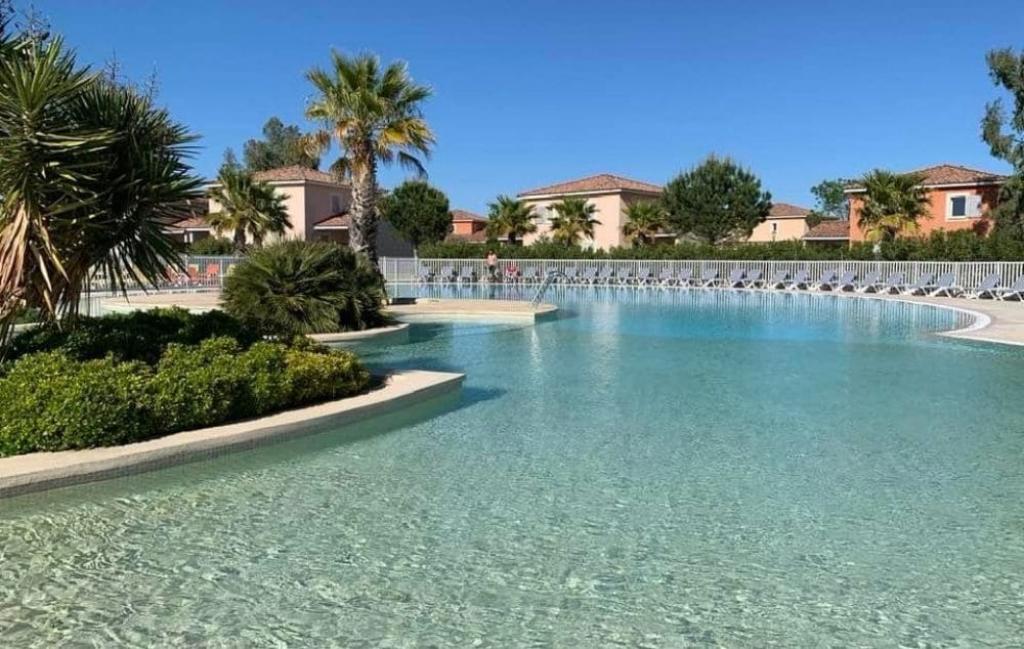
(650, 469)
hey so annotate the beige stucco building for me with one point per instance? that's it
(318, 210)
(610, 194)
(785, 222)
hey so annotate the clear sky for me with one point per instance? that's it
(529, 93)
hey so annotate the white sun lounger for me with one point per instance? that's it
(666, 277)
(946, 285)
(467, 274)
(752, 279)
(802, 279)
(872, 283)
(778, 279)
(1016, 291)
(684, 277)
(607, 275)
(708, 278)
(989, 287)
(736, 278)
(924, 284)
(447, 274)
(826, 280)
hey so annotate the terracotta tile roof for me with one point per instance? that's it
(340, 220)
(830, 229)
(463, 215)
(296, 172)
(479, 236)
(191, 223)
(948, 174)
(598, 183)
(780, 210)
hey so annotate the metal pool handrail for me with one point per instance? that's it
(548, 281)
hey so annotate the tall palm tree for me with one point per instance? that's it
(90, 175)
(575, 221)
(248, 208)
(644, 221)
(511, 218)
(374, 117)
(893, 204)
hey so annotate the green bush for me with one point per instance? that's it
(139, 335)
(53, 403)
(960, 245)
(212, 246)
(296, 287)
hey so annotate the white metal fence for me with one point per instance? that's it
(969, 274)
(202, 273)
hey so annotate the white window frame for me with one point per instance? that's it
(969, 201)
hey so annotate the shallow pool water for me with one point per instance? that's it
(650, 469)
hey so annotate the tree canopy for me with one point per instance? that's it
(893, 204)
(510, 218)
(716, 201)
(644, 221)
(418, 211)
(1005, 137)
(574, 221)
(830, 201)
(248, 209)
(282, 146)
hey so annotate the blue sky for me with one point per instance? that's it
(529, 93)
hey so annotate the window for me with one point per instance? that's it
(963, 206)
(335, 204)
(775, 229)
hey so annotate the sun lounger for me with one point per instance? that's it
(989, 287)
(447, 274)
(606, 276)
(1015, 292)
(923, 285)
(708, 278)
(872, 283)
(589, 276)
(570, 275)
(802, 279)
(643, 275)
(826, 280)
(467, 274)
(778, 279)
(424, 275)
(736, 278)
(752, 279)
(894, 284)
(946, 285)
(684, 277)
(839, 284)
(666, 277)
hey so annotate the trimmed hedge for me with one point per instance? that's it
(139, 335)
(54, 402)
(961, 245)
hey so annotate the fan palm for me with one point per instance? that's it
(644, 221)
(90, 175)
(893, 203)
(574, 221)
(510, 217)
(374, 117)
(248, 208)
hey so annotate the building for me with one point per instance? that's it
(785, 222)
(318, 210)
(959, 198)
(468, 227)
(830, 232)
(610, 194)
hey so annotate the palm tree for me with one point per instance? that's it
(90, 175)
(374, 117)
(510, 217)
(575, 221)
(644, 221)
(248, 208)
(893, 203)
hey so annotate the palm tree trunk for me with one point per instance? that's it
(239, 239)
(511, 237)
(363, 234)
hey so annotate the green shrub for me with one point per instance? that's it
(296, 287)
(53, 403)
(212, 246)
(322, 375)
(139, 335)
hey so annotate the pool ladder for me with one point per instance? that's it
(548, 281)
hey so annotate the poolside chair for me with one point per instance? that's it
(447, 274)
(946, 285)
(752, 279)
(569, 275)
(923, 285)
(801, 279)
(872, 283)
(643, 276)
(684, 277)
(736, 278)
(826, 280)
(589, 276)
(989, 287)
(1016, 291)
(530, 275)
(606, 276)
(467, 274)
(778, 279)
(708, 278)
(844, 282)
(424, 275)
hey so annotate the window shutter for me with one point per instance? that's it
(975, 206)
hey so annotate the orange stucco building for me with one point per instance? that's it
(959, 198)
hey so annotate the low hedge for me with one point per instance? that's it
(53, 401)
(961, 245)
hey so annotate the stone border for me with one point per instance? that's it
(397, 333)
(22, 474)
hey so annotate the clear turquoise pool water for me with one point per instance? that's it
(651, 469)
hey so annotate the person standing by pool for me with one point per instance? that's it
(492, 264)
